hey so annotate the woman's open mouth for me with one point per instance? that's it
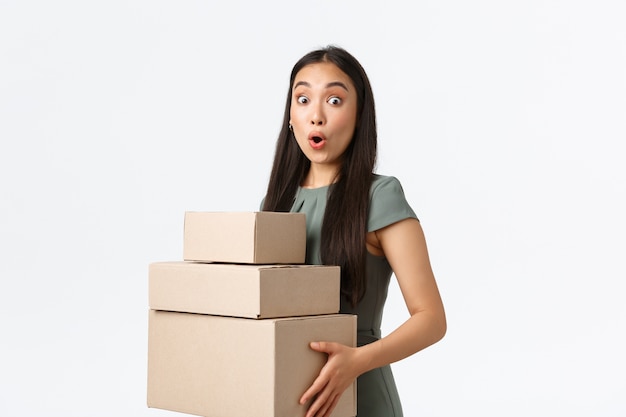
(316, 141)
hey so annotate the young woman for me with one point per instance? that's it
(359, 220)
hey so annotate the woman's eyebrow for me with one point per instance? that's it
(337, 84)
(331, 84)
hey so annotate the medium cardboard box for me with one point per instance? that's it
(217, 366)
(245, 237)
(239, 290)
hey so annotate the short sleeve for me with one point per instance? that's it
(388, 204)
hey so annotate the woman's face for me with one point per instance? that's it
(323, 113)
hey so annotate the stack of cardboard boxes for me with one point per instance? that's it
(230, 325)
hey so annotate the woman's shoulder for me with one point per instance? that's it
(385, 182)
(388, 203)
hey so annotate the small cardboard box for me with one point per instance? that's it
(236, 367)
(245, 237)
(239, 290)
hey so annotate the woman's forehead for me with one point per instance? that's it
(321, 73)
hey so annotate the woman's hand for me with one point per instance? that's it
(335, 377)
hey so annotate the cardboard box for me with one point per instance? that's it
(216, 366)
(245, 237)
(253, 291)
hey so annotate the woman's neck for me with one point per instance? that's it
(320, 176)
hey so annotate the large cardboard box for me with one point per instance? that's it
(217, 366)
(245, 237)
(239, 290)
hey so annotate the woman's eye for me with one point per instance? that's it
(302, 100)
(334, 100)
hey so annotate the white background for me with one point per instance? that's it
(504, 121)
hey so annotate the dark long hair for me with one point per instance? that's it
(345, 221)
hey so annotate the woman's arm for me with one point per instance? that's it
(404, 245)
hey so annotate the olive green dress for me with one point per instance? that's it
(376, 390)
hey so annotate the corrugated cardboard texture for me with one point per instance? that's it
(235, 367)
(253, 291)
(245, 237)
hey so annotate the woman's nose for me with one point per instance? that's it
(317, 118)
